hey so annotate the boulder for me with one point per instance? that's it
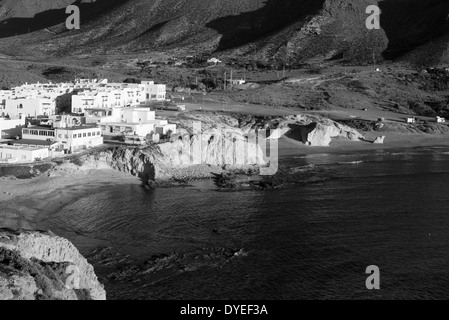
(379, 140)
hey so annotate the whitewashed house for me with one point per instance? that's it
(22, 154)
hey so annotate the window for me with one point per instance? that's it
(24, 157)
(74, 136)
(84, 135)
(89, 134)
(79, 135)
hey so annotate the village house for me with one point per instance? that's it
(78, 138)
(441, 120)
(66, 140)
(136, 121)
(152, 91)
(22, 154)
(236, 82)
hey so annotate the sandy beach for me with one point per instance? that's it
(23, 203)
(291, 147)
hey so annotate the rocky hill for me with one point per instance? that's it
(283, 30)
(39, 266)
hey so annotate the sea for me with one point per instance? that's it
(313, 238)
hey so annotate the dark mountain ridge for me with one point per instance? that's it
(285, 30)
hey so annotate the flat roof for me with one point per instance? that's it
(124, 124)
(79, 128)
(21, 148)
(34, 142)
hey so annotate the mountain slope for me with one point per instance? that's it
(292, 30)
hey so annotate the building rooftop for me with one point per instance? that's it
(34, 142)
(20, 147)
(79, 128)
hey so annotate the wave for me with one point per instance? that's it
(352, 162)
(303, 168)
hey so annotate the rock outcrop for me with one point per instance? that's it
(208, 143)
(314, 131)
(42, 266)
(379, 140)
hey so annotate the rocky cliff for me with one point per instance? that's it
(313, 131)
(210, 143)
(43, 266)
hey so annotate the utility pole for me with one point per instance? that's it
(224, 86)
(231, 80)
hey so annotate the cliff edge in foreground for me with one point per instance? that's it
(42, 266)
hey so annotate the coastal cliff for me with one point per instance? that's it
(42, 266)
(210, 143)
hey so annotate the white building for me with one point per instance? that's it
(152, 91)
(114, 95)
(214, 61)
(79, 138)
(10, 128)
(131, 129)
(62, 139)
(136, 121)
(20, 107)
(236, 82)
(137, 115)
(441, 120)
(21, 154)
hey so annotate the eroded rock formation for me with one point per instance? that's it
(42, 266)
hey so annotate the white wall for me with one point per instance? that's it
(79, 139)
(23, 154)
(137, 115)
(11, 128)
(29, 107)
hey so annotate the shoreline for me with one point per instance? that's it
(26, 203)
(289, 147)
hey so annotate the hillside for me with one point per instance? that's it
(284, 30)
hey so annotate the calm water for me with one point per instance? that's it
(315, 240)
